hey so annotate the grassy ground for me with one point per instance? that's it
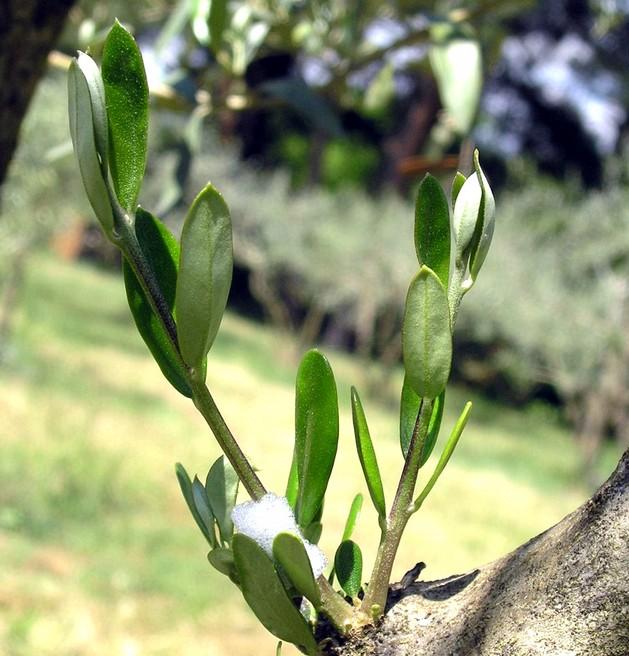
(98, 555)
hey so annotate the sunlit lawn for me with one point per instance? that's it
(97, 552)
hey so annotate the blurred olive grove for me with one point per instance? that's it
(317, 120)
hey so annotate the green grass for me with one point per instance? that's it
(98, 553)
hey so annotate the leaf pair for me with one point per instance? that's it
(211, 505)
(265, 593)
(316, 436)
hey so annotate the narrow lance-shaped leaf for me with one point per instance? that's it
(203, 509)
(367, 455)
(221, 486)
(292, 485)
(409, 409)
(448, 450)
(161, 251)
(96, 88)
(426, 336)
(348, 565)
(85, 148)
(290, 553)
(465, 213)
(205, 273)
(263, 591)
(186, 489)
(352, 516)
(316, 432)
(457, 183)
(433, 428)
(432, 228)
(127, 94)
(485, 224)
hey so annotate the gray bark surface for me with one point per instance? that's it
(563, 593)
(28, 30)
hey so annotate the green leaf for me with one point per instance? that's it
(316, 432)
(409, 409)
(433, 428)
(127, 94)
(367, 455)
(457, 183)
(457, 65)
(205, 274)
(290, 553)
(221, 486)
(218, 22)
(432, 228)
(348, 565)
(82, 131)
(292, 485)
(222, 560)
(485, 224)
(448, 450)
(426, 335)
(203, 509)
(161, 250)
(266, 596)
(465, 213)
(187, 490)
(92, 76)
(313, 531)
(352, 517)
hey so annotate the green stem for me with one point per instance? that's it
(131, 249)
(207, 407)
(340, 613)
(376, 597)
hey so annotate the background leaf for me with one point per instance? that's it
(84, 142)
(266, 596)
(432, 228)
(221, 486)
(348, 565)
(205, 274)
(426, 336)
(127, 94)
(161, 250)
(290, 553)
(367, 454)
(316, 432)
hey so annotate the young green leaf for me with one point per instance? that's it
(316, 432)
(367, 455)
(457, 183)
(161, 251)
(465, 213)
(426, 335)
(263, 591)
(292, 485)
(187, 490)
(348, 565)
(222, 560)
(205, 273)
(127, 94)
(92, 76)
(221, 486)
(485, 225)
(432, 228)
(204, 511)
(433, 428)
(409, 409)
(352, 517)
(290, 553)
(445, 456)
(82, 131)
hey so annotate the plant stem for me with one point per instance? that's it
(340, 613)
(129, 245)
(373, 604)
(205, 404)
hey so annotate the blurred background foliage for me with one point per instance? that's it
(317, 120)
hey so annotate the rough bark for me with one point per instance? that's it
(563, 593)
(28, 30)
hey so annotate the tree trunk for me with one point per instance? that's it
(28, 30)
(563, 593)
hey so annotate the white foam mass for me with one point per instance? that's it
(262, 520)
